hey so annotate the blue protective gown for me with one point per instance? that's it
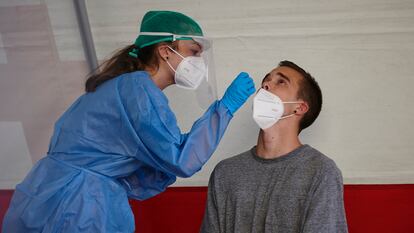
(117, 142)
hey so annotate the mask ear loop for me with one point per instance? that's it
(283, 117)
(175, 53)
(171, 66)
(294, 112)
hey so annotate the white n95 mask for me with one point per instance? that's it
(190, 72)
(268, 108)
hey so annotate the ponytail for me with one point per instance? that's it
(120, 63)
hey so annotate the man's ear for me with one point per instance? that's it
(302, 108)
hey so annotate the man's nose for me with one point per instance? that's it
(266, 86)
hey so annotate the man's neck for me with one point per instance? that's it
(276, 142)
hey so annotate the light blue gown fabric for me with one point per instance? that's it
(117, 142)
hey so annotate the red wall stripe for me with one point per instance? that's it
(380, 208)
(5, 196)
(369, 209)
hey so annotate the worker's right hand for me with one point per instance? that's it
(238, 92)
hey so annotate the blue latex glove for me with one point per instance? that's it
(238, 92)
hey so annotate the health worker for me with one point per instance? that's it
(120, 139)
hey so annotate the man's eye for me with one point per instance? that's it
(280, 81)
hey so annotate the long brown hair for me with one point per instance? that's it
(120, 63)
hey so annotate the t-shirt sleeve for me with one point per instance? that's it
(326, 212)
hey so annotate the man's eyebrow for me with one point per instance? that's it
(283, 76)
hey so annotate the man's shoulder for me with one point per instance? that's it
(234, 161)
(316, 159)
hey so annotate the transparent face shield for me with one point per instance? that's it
(206, 93)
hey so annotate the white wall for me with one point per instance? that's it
(360, 51)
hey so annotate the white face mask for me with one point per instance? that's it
(268, 108)
(190, 72)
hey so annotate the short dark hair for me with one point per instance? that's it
(310, 92)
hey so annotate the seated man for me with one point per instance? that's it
(280, 185)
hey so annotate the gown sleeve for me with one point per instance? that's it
(160, 143)
(163, 146)
(146, 182)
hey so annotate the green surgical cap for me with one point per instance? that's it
(169, 22)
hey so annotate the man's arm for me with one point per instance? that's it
(211, 217)
(326, 212)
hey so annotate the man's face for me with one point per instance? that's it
(283, 82)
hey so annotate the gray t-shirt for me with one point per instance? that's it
(301, 191)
